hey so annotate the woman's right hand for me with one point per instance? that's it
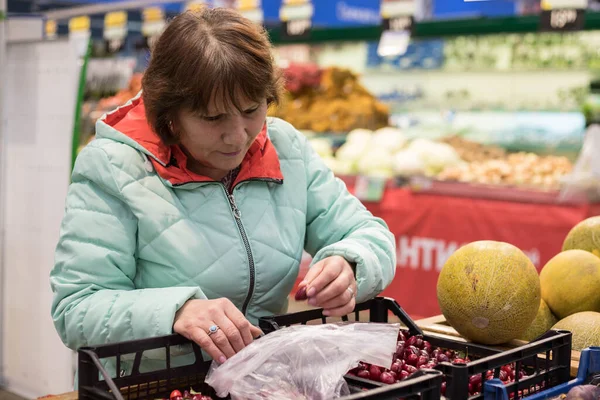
(195, 318)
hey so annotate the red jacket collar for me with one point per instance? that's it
(261, 161)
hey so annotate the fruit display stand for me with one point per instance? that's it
(429, 227)
(541, 364)
(438, 326)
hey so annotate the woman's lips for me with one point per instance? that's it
(232, 154)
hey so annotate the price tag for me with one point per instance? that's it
(195, 5)
(418, 184)
(79, 24)
(251, 9)
(398, 21)
(51, 29)
(369, 188)
(115, 31)
(153, 21)
(296, 17)
(562, 15)
(115, 25)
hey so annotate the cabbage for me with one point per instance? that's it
(322, 147)
(351, 151)
(435, 156)
(389, 138)
(340, 167)
(408, 163)
(359, 136)
(378, 161)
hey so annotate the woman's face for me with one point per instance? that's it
(218, 141)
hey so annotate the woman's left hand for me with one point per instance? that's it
(330, 284)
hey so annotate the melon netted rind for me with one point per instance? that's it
(570, 283)
(543, 322)
(489, 292)
(585, 327)
(584, 236)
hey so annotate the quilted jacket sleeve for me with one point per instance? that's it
(95, 299)
(338, 224)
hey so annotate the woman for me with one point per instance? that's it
(190, 211)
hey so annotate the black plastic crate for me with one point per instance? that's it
(159, 384)
(546, 361)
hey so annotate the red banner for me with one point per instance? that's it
(429, 228)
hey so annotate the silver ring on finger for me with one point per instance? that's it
(351, 292)
(213, 329)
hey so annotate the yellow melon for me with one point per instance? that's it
(489, 292)
(543, 322)
(585, 327)
(571, 283)
(585, 236)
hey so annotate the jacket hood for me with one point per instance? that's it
(128, 125)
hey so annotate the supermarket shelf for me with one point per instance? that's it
(439, 28)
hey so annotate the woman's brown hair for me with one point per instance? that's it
(205, 55)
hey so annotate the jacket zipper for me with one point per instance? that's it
(238, 220)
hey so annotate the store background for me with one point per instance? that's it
(459, 76)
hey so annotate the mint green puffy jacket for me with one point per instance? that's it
(134, 246)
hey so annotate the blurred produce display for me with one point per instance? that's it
(531, 51)
(388, 153)
(471, 151)
(519, 169)
(329, 100)
(94, 108)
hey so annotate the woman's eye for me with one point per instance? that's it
(252, 111)
(215, 118)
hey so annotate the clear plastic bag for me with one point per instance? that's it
(583, 184)
(303, 361)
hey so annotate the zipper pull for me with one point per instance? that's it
(236, 212)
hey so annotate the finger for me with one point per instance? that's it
(335, 289)
(205, 342)
(331, 270)
(338, 301)
(256, 332)
(341, 311)
(242, 324)
(232, 333)
(312, 273)
(221, 340)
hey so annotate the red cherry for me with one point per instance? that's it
(301, 294)
(387, 378)
(403, 375)
(410, 369)
(422, 361)
(375, 372)
(503, 376)
(363, 373)
(427, 346)
(475, 379)
(442, 358)
(412, 359)
(443, 388)
(175, 393)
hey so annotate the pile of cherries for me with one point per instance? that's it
(187, 395)
(414, 353)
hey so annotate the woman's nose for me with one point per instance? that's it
(236, 134)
